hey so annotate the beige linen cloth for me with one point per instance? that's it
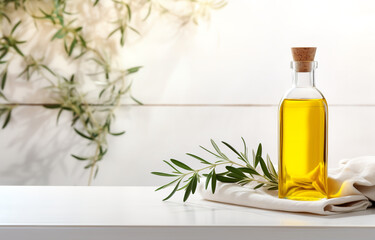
(351, 188)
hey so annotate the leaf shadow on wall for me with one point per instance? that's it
(41, 147)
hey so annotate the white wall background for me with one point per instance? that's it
(222, 80)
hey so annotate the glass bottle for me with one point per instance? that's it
(303, 116)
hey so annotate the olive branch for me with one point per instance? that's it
(241, 171)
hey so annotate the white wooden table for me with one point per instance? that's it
(108, 213)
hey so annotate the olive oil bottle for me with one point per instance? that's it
(303, 115)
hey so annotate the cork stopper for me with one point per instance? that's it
(304, 58)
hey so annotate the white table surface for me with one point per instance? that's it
(138, 213)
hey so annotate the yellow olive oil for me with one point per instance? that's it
(303, 149)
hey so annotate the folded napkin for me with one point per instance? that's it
(351, 188)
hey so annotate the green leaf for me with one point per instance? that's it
(213, 181)
(177, 171)
(15, 27)
(74, 42)
(59, 34)
(66, 46)
(113, 32)
(194, 183)
(89, 166)
(166, 185)
(79, 158)
(148, 12)
(257, 159)
(215, 146)
(226, 179)
(199, 158)
(101, 152)
(273, 188)
(129, 11)
(245, 153)
(6, 17)
(122, 39)
(254, 157)
(235, 171)
(133, 69)
(46, 16)
(58, 115)
(208, 177)
(164, 174)
(217, 149)
(209, 151)
(259, 151)
(52, 106)
(173, 192)
(235, 176)
(96, 171)
(3, 80)
(258, 186)
(117, 134)
(26, 70)
(18, 50)
(264, 168)
(136, 100)
(61, 19)
(80, 55)
(7, 119)
(83, 135)
(83, 41)
(74, 120)
(184, 187)
(134, 30)
(102, 92)
(231, 148)
(3, 96)
(4, 52)
(270, 166)
(48, 69)
(251, 171)
(181, 165)
(19, 42)
(236, 152)
(188, 190)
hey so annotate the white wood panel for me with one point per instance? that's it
(36, 152)
(242, 55)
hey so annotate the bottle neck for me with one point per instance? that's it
(304, 74)
(303, 79)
